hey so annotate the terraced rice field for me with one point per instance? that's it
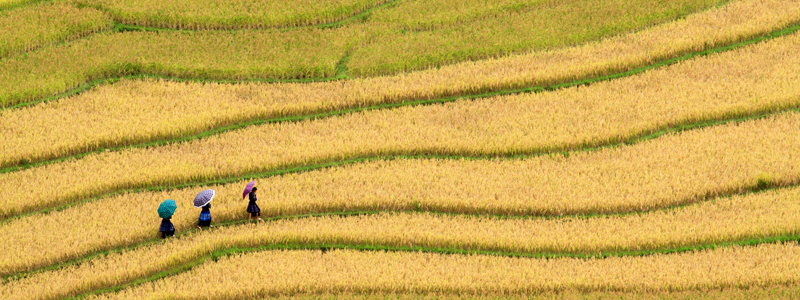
(402, 148)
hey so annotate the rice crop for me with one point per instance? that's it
(215, 14)
(136, 111)
(576, 192)
(342, 271)
(433, 14)
(769, 292)
(550, 25)
(735, 21)
(9, 4)
(32, 27)
(496, 126)
(301, 53)
(306, 53)
(95, 227)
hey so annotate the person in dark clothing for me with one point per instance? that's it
(205, 217)
(166, 228)
(252, 207)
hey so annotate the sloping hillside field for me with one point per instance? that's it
(401, 149)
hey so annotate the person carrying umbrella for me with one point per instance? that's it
(166, 229)
(165, 211)
(205, 217)
(252, 207)
(203, 200)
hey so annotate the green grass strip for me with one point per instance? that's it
(215, 255)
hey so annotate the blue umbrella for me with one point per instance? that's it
(167, 208)
(204, 198)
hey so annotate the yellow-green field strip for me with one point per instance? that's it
(251, 22)
(340, 74)
(535, 89)
(313, 65)
(215, 55)
(13, 4)
(355, 16)
(38, 26)
(114, 26)
(341, 71)
(123, 26)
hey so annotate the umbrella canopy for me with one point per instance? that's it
(204, 198)
(167, 208)
(248, 189)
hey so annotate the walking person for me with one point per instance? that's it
(166, 229)
(203, 200)
(205, 217)
(252, 207)
(165, 211)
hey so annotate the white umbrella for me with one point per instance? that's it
(204, 198)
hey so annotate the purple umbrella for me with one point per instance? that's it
(248, 188)
(204, 198)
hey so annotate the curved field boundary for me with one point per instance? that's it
(725, 266)
(777, 291)
(21, 3)
(351, 213)
(86, 85)
(324, 247)
(446, 251)
(114, 28)
(762, 184)
(357, 15)
(121, 27)
(341, 74)
(49, 24)
(216, 254)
